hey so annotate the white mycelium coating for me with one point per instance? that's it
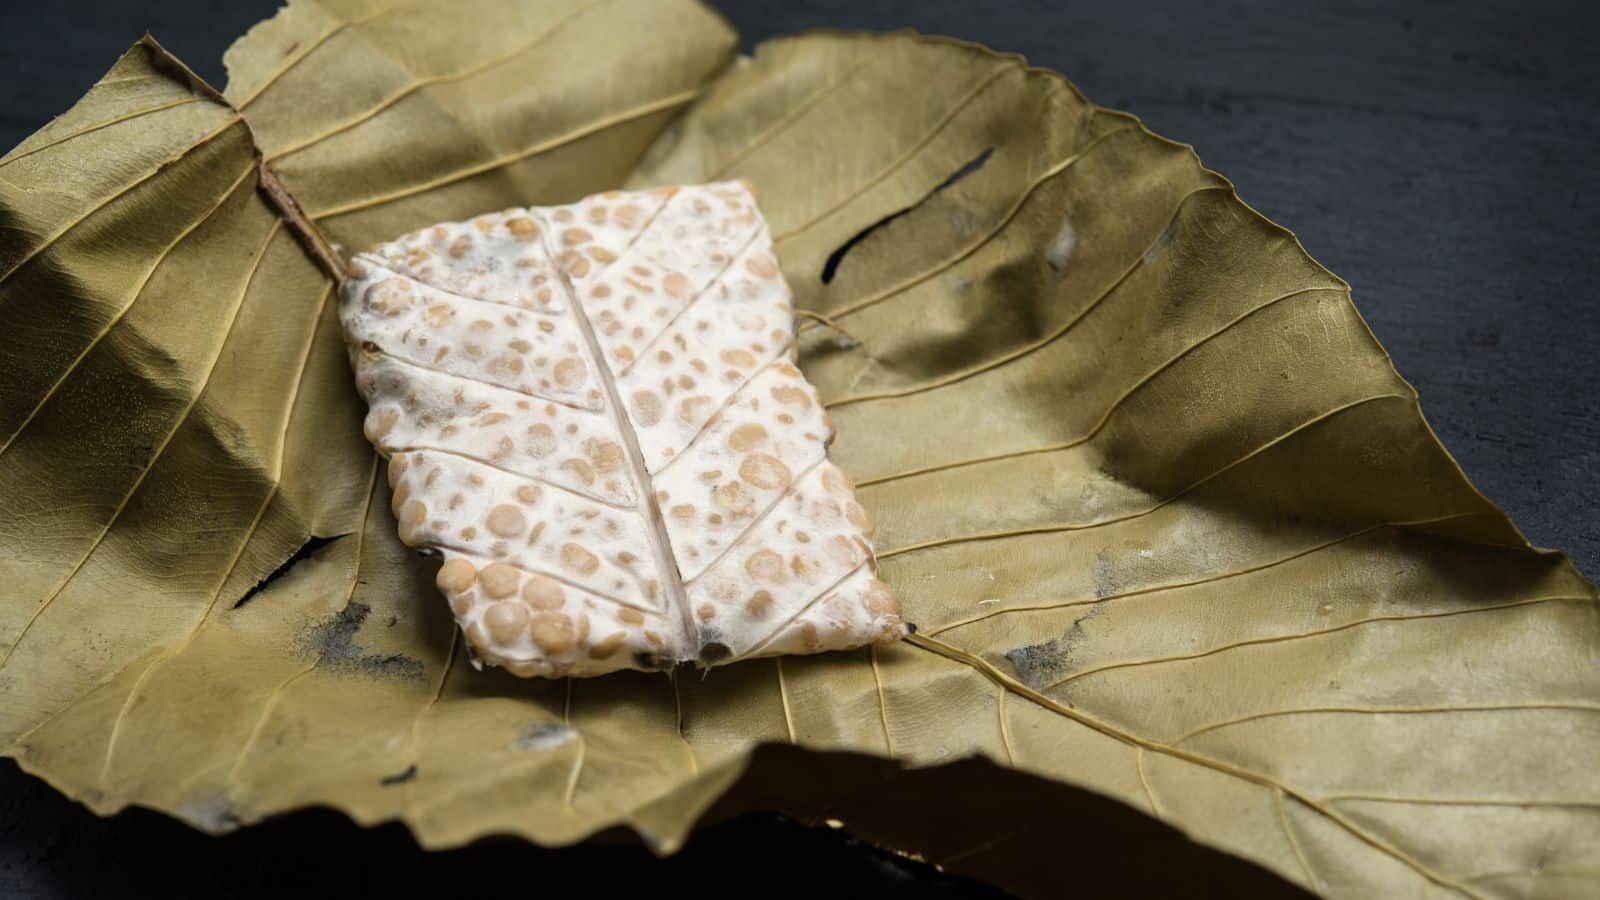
(591, 412)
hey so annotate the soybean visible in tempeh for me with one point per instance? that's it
(592, 413)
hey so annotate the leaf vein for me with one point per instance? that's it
(778, 356)
(583, 751)
(144, 282)
(56, 235)
(1005, 731)
(279, 450)
(760, 517)
(1534, 873)
(160, 450)
(1386, 710)
(127, 117)
(418, 365)
(1287, 638)
(788, 119)
(1550, 803)
(544, 480)
(713, 282)
(1085, 526)
(777, 630)
(1280, 803)
(299, 56)
(1220, 576)
(983, 666)
(281, 689)
(418, 722)
(638, 112)
(1028, 349)
(377, 262)
(416, 84)
(911, 152)
(1016, 207)
(555, 576)
(883, 700)
(1144, 782)
(649, 508)
(783, 697)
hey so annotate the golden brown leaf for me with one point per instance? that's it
(1173, 528)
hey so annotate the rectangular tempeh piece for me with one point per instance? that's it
(592, 413)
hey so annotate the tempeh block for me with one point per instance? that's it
(592, 413)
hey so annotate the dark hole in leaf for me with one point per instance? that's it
(831, 266)
(310, 547)
(402, 778)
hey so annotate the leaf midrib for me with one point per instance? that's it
(985, 668)
(649, 508)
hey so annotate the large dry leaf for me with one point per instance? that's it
(1173, 528)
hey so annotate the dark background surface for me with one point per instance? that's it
(1440, 156)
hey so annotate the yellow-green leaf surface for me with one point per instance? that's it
(1174, 530)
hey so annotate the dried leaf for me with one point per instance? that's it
(1174, 529)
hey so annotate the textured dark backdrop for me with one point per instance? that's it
(1440, 156)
